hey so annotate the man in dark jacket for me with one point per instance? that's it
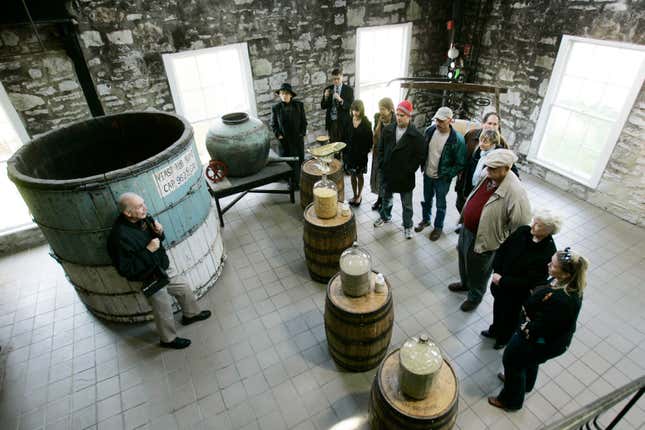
(136, 249)
(400, 155)
(289, 124)
(336, 100)
(445, 154)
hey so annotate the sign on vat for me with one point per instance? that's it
(174, 175)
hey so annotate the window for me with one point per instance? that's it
(382, 54)
(14, 212)
(208, 83)
(592, 89)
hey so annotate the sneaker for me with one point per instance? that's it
(435, 234)
(408, 233)
(177, 343)
(379, 222)
(421, 226)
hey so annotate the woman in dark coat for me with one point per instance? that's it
(289, 124)
(358, 146)
(520, 264)
(550, 320)
(383, 118)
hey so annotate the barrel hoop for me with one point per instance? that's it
(361, 342)
(107, 316)
(381, 352)
(194, 188)
(317, 251)
(102, 294)
(357, 319)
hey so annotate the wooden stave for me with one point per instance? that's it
(354, 361)
(323, 263)
(382, 416)
(307, 181)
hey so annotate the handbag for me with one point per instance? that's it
(158, 279)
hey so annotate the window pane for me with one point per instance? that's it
(14, 211)
(193, 104)
(186, 74)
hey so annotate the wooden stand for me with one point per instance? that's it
(358, 329)
(310, 174)
(390, 409)
(324, 241)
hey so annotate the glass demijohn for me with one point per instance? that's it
(355, 268)
(325, 198)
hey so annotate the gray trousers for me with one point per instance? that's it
(474, 268)
(162, 306)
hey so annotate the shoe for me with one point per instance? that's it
(379, 222)
(457, 287)
(499, 345)
(203, 315)
(458, 228)
(493, 401)
(435, 234)
(421, 226)
(488, 334)
(501, 377)
(357, 202)
(407, 233)
(377, 205)
(468, 306)
(177, 343)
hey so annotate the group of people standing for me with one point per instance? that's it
(537, 290)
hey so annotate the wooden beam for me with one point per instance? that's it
(454, 86)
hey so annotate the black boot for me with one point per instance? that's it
(377, 205)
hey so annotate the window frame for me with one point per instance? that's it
(245, 65)
(407, 41)
(555, 82)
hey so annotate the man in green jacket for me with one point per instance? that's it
(445, 156)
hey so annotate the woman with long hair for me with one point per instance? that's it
(383, 118)
(358, 146)
(550, 317)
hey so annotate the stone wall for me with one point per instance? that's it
(295, 41)
(41, 83)
(519, 46)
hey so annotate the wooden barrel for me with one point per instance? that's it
(324, 241)
(358, 329)
(390, 409)
(310, 174)
(71, 179)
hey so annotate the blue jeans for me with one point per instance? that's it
(386, 205)
(434, 187)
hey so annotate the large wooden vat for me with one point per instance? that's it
(324, 241)
(71, 179)
(310, 174)
(358, 329)
(390, 409)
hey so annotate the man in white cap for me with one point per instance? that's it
(494, 209)
(445, 157)
(400, 153)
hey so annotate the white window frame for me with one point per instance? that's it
(361, 33)
(19, 128)
(242, 48)
(551, 94)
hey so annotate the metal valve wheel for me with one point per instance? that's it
(216, 171)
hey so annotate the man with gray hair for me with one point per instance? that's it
(494, 209)
(136, 249)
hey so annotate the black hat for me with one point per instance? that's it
(285, 87)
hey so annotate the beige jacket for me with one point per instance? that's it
(506, 210)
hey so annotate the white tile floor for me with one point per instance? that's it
(262, 362)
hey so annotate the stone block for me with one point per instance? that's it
(545, 62)
(303, 43)
(91, 38)
(339, 19)
(9, 38)
(57, 65)
(261, 85)
(318, 78)
(262, 67)
(356, 16)
(35, 73)
(414, 11)
(276, 80)
(67, 85)
(393, 7)
(25, 102)
(120, 37)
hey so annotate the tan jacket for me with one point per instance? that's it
(507, 209)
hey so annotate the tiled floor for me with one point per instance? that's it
(262, 361)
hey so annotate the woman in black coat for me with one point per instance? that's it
(358, 146)
(550, 320)
(520, 264)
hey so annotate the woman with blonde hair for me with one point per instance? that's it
(550, 317)
(383, 118)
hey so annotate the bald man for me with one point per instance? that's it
(136, 249)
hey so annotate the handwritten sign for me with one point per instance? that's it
(176, 174)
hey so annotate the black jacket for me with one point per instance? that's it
(552, 316)
(127, 248)
(398, 162)
(359, 144)
(289, 120)
(344, 115)
(522, 262)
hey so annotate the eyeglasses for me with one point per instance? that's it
(566, 255)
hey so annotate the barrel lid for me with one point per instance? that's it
(420, 356)
(369, 303)
(339, 219)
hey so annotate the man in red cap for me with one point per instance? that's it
(400, 154)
